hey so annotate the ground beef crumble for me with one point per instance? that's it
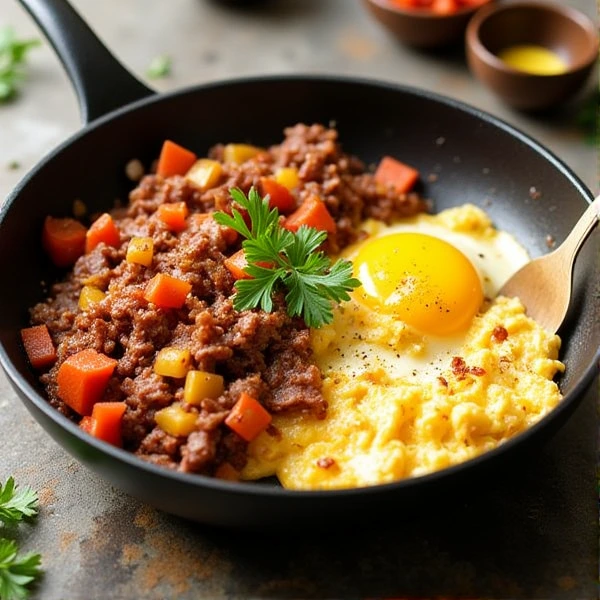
(266, 355)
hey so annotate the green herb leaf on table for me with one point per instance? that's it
(278, 258)
(16, 572)
(160, 66)
(16, 503)
(13, 53)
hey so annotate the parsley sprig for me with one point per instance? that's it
(278, 258)
(16, 571)
(16, 503)
(13, 53)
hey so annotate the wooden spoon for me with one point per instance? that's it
(544, 284)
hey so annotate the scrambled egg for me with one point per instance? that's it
(404, 403)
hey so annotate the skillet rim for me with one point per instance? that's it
(30, 395)
(157, 97)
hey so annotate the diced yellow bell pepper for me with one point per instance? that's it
(173, 362)
(89, 296)
(200, 385)
(239, 153)
(94, 280)
(140, 250)
(174, 420)
(288, 177)
(205, 173)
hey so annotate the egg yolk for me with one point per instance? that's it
(423, 280)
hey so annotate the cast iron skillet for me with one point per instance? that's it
(476, 157)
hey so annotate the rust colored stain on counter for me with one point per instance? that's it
(145, 553)
(66, 540)
(166, 558)
(47, 494)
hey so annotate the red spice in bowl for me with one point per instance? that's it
(425, 23)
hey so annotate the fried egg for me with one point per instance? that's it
(425, 367)
(423, 281)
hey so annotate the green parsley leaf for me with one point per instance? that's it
(278, 258)
(13, 53)
(307, 300)
(159, 67)
(16, 572)
(16, 504)
(257, 291)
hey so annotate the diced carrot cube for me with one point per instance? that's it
(103, 229)
(82, 379)
(236, 264)
(313, 213)
(401, 176)
(280, 196)
(174, 159)
(248, 417)
(166, 291)
(173, 215)
(39, 346)
(105, 422)
(63, 239)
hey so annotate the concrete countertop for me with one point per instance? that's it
(531, 535)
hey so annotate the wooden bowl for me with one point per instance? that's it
(565, 31)
(421, 28)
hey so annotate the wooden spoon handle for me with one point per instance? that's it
(582, 229)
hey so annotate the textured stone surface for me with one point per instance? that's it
(530, 534)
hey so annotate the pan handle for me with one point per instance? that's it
(101, 82)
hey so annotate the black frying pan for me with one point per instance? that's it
(481, 159)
